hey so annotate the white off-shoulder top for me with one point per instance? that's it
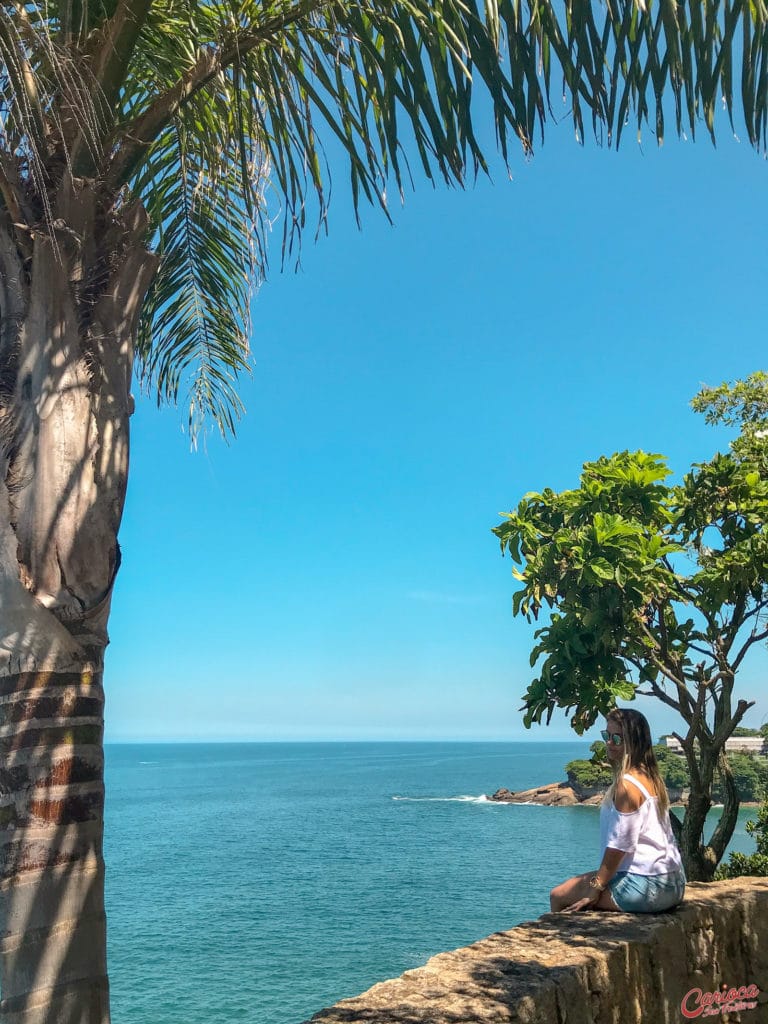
(644, 835)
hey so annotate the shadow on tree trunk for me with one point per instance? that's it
(68, 317)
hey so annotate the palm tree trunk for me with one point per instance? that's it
(53, 946)
(69, 306)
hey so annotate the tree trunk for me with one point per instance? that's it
(68, 315)
(701, 859)
(727, 824)
(53, 949)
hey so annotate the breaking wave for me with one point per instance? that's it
(482, 799)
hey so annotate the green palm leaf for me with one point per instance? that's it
(194, 326)
(198, 107)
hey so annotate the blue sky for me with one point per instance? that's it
(332, 574)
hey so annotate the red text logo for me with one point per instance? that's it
(709, 1004)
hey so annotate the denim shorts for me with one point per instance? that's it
(647, 894)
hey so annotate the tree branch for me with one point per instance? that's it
(698, 714)
(759, 607)
(726, 730)
(736, 623)
(725, 826)
(667, 671)
(690, 757)
(656, 689)
(702, 650)
(139, 136)
(684, 594)
(665, 698)
(754, 638)
(713, 624)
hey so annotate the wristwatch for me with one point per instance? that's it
(594, 883)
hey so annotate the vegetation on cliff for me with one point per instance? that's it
(755, 863)
(750, 773)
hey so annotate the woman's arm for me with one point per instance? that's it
(609, 865)
(586, 894)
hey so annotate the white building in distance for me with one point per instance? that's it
(736, 744)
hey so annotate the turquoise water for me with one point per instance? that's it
(261, 882)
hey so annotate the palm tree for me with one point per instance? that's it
(142, 145)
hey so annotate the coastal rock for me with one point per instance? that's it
(556, 794)
(585, 794)
(563, 794)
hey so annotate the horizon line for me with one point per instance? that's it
(202, 742)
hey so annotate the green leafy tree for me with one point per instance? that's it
(593, 772)
(588, 775)
(141, 143)
(599, 755)
(656, 590)
(597, 771)
(750, 775)
(673, 768)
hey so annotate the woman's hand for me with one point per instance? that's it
(581, 904)
(587, 897)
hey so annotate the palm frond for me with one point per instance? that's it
(194, 327)
(207, 99)
(375, 74)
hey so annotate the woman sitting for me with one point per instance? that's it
(641, 870)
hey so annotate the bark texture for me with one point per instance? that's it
(70, 297)
(53, 944)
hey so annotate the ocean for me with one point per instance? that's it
(260, 882)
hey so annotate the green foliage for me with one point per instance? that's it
(194, 326)
(588, 774)
(673, 768)
(596, 556)
(757, 862)
(744, 405)
(645, 584)
(750, 775)
(599, 755)
(597, 770)
(743, 730)
(241, 99)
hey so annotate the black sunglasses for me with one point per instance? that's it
(612, 737)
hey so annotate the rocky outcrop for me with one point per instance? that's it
(587, 794)
(567, 794)
(560, 794)
(593, 968)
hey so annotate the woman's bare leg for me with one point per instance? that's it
(607, 902)
(568, 892)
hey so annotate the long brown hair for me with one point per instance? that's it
(638, 753)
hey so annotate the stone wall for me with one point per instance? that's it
(590, 968)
